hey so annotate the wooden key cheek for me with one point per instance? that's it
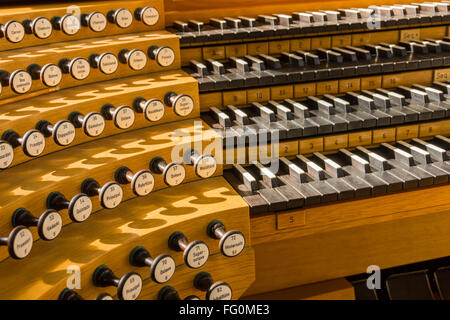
(158, 218)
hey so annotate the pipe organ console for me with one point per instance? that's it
(189, 150)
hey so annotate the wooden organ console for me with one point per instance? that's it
(186, 150)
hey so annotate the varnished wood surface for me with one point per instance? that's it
(21, 12)
(29, 184)
(109, 236)
(24, 115)
(345, 238)
(53, 53)
(337, 289)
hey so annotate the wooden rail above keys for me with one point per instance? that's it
(291, 91)
(53, 11)
(75, 59)
(148, 222)
(29, 184)
(25, 115)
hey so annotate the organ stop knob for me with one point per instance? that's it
(121, 17)
(173, 173)
(152, 109)
(129, 286)
(50, 74)
(49, 224)
(63, 132)
(96, 21)
(195, 254)
(93, 123)
(19, 81)
(32, 142)
(41, 27)
(13, 31)
(148, 15)
(136, 59)
(164, 56)
(231, 243)
(182, 104)
(122, 116)
(79, 207)
(110, 194)
(69, 24)
(69, 294)
(168, 293)
(6, 154)
(142, 182)
(162, 267)
(205, 165)
(19, 242)
(106, 62)
(214, 291)
(78, 68)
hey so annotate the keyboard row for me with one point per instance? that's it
(320, 64)
(367, 109)
(299, 23)
(284, 184)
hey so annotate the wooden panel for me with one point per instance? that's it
(109, 237)
(54, 53)
(29, 184)
(24, 115)
(51, 10)
(342, 239)
(336, 86)
(338, 289)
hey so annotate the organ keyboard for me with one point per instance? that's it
(253, 150)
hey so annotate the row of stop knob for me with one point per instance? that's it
(21, 81)
(70, 24)
(163, 267)
(93, 124)
(49, 223)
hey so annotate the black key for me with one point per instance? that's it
(409, 286)
(362, 292)
(199, 67)
(442, 278)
